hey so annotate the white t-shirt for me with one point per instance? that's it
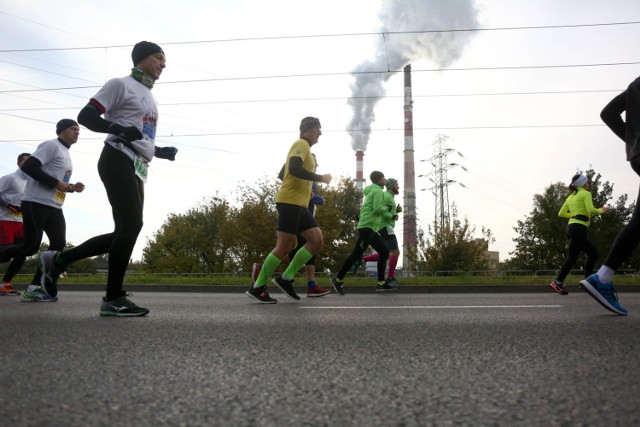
(11, 189)
(128, 102)
(56, 161)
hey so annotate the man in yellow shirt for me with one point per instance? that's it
(294, 218)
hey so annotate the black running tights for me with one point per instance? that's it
(629, 237)
(126, 196)
(367, 237)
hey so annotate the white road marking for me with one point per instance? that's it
(368, 307)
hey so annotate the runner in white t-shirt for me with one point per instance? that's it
(49, 171)
(130, 119)
(11, 230)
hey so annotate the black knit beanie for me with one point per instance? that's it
(65, 124)
(142, 50)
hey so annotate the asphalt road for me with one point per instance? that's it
(217, 359)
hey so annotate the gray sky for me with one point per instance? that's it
(520, 100)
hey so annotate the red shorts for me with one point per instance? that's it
(10, 231)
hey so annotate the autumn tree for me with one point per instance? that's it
(194, 242)
(219, 236)
(453, 248)
(541, 240)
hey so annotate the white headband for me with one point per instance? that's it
(580, 181)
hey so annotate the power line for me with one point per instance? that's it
(284, 76)
(342, 98)
(280, 132)
(381, 34)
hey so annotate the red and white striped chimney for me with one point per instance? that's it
(359, 175)
(409, 184)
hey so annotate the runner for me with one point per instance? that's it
(294, 218)
(372, 213)
(11, 228)
(131, 116)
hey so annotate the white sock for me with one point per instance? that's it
(32, 288)
(605, 274)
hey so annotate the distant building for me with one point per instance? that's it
(492, 256)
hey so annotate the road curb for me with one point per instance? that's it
(428, 289)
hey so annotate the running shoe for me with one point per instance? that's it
(317, 291)
(255, 271)
(122, 307)
(559, 288)
(605, 294)
(392, 282)
(50, 273)
(37, 296)
(338, 285)
(286, 286)
(7, 289)
(261, 295)
(384, 287)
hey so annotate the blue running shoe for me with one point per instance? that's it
(37, 296)
(605, 294)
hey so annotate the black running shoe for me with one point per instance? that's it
(50, 273)
(384, 287)
(261, 295)
(122, 307)
(338, 285)
(286, 286)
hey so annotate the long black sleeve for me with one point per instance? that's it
(90, 118)
(611, 115)
(296, 169)
(33, 168)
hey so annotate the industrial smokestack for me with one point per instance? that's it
(396, 49)
(409, 184)
(359, 175)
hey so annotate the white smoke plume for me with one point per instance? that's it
(397, 50)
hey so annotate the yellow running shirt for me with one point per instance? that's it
(294, 190)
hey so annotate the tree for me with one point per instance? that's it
(193, 242)
(541, 241)
(338, 219)
(253, 232)
(216, 236)
(453, 248)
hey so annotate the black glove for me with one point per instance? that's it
(168, 153)
(128, 134)
(395, 217)
(398, 209)
(14, 209)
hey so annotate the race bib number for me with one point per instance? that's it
(15, 215)
(141, 168)
(58, 197)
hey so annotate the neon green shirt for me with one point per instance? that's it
(579, 203)
(387, 221)
(373, 208)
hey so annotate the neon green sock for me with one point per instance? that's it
(302, 256)
(269, 265)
